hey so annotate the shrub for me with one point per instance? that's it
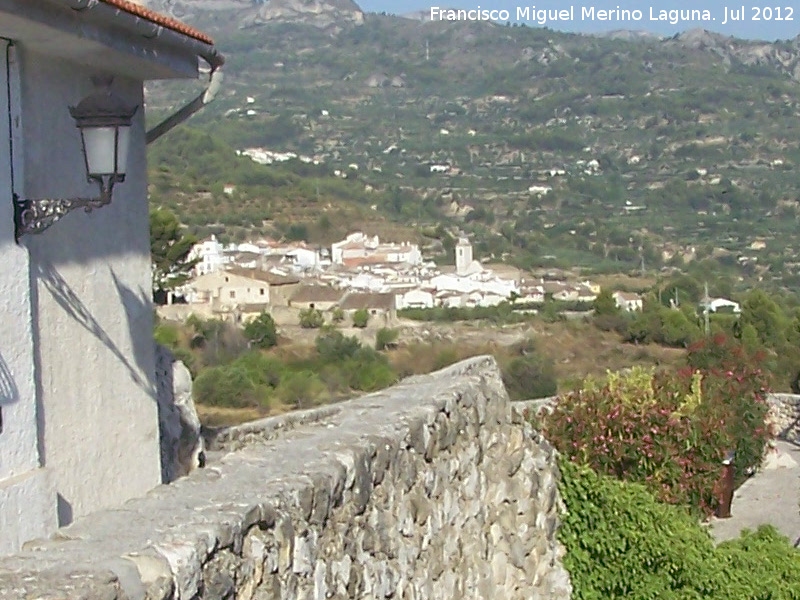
(311, 318)
(333, 346)
(263, 370)
(657, 323)
(445, 357)
(760, 564)
(667, 430)
(261, 331)
(338, 315)
(215, 341)
(622, 543)
(225, 386)
(167, 335)
(385, 337)
(617, 322)
(360, 318)
(369, 371)
(531, 376)
(301, 389)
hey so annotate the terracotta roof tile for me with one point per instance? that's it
(357, 301)
(159, 19)
(317, 293)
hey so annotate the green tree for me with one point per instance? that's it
(646, 325)
(766, 317)
(677, 329)
(683, 288)
(360, 318)
(261, 331)
(604, 304)
(311, 318)
(169, 252)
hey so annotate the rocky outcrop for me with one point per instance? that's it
(325, 14)
(431, 489)
(179, 426)
(782, 56)
(320, 13)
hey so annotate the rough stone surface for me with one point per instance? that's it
(433, 489)
(179, 425)
(785, 416)
(536, 406)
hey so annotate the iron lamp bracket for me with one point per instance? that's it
(36, 215)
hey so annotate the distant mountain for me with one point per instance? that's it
(627, 35)
(252, 13)
(419, 15)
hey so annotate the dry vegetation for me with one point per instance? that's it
(580, 349)
(577, 348)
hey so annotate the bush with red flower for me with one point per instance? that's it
(670, 430)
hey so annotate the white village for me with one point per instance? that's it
(360, 272)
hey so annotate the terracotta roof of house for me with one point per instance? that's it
(246, 256)
(372, 259)
(159, 19)
(352, 246)
(259, 275)
(553, 287)
(628, 296)
(254, 308)
(358, 301)
(316, 293)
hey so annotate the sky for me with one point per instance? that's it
(767, 20)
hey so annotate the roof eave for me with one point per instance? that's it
(105, 37)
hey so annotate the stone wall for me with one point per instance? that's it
(785, 416)
(432, 489)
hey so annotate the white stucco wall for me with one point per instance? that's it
(92, 314)
(28, 509)
(27, 506)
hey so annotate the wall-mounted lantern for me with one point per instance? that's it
(104, 121)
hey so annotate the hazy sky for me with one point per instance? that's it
(748, 27)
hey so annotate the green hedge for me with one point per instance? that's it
(622, 543)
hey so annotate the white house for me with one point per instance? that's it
(80, 429)
(627, 301)
(210, 255)
(452, 283)
(533, 294)
(227, 289)
(303, 258)
(540, 190)
(450, 299)
(358, 248)
(354, 245)
(415, 298)
(721, 305)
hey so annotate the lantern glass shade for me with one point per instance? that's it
(106, 150)
(104, 120)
